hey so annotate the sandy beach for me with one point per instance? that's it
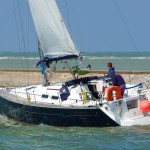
(29, 77)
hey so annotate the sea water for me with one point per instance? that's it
(16, 136)
(98, 60)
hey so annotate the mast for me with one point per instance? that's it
(42, 65)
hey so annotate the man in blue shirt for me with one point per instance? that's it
(111, 69)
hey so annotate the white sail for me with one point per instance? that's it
(53, 36)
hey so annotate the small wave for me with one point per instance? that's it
(4, 121)
(140, 58)
(113, 57)
(95, 57)
(21, 58)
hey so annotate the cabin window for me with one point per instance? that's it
(55, 97)
(132, 104)
(44, 96)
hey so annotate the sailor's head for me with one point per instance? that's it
(109, 64)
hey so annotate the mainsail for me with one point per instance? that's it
(54, 39)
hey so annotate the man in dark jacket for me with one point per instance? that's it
(117, 80)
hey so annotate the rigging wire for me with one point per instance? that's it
(28, 38)
(28, 28)
(23, 36)
(66, 4)
(17, 26)
(22, 33)
(77, 25)
(21, 24)
(125, 24)
(19, 5)
(69, 27)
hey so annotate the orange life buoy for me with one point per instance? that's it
(111, 89)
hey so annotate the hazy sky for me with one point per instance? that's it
(95, 25)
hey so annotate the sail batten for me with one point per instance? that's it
(55, 40)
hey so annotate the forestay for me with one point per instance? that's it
(55, 41)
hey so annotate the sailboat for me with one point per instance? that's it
(87, 102)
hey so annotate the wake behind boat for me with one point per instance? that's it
(89, 101)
